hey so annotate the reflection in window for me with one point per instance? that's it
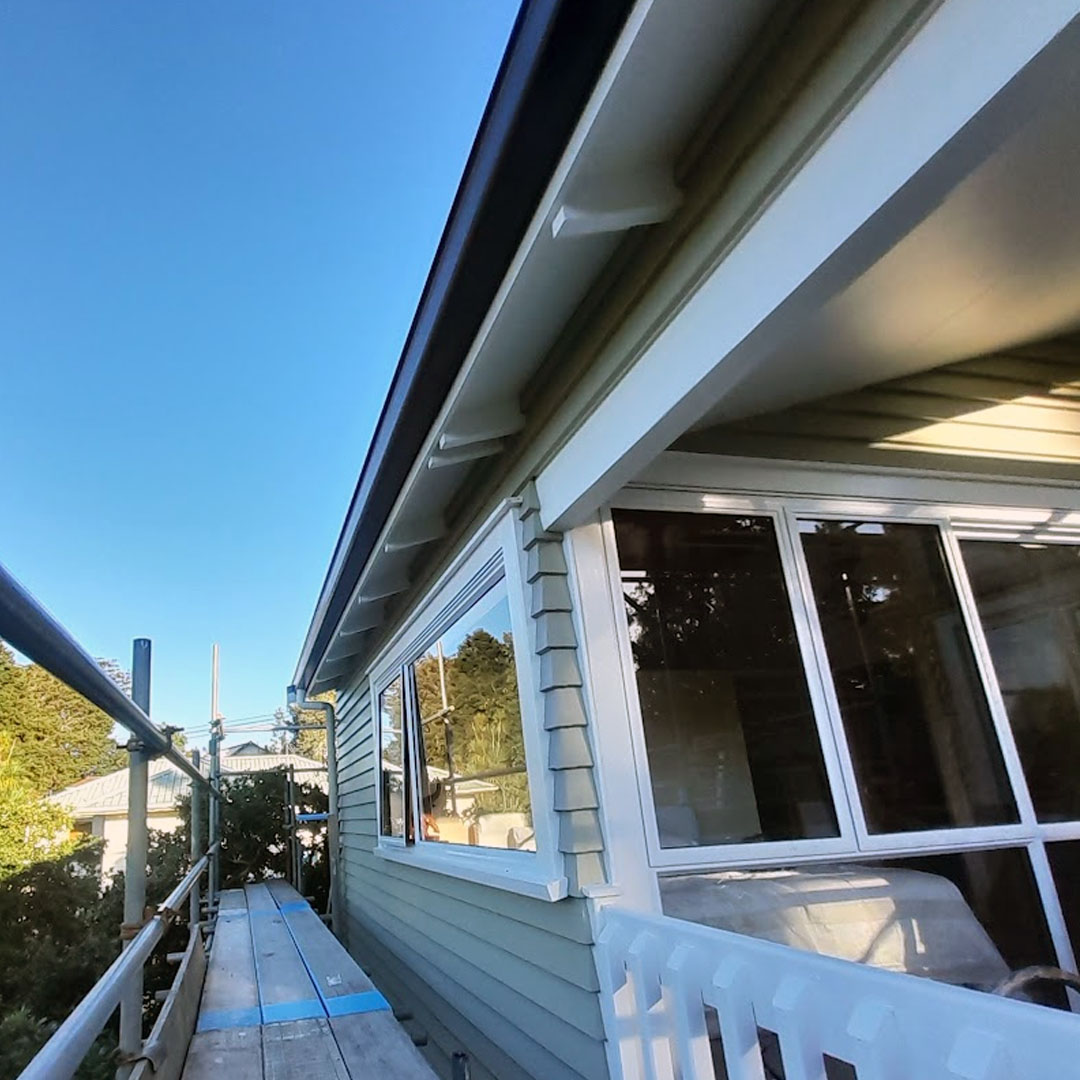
(475, 788)
(1000, 888)
(1065, 866)
(392, 734)
(1029, 604)
(729, 728)
(918, 726)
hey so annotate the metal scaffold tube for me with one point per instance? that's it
(61, 1056)
(29, 628)
(135, 867)
(196, 845)
(214, 812)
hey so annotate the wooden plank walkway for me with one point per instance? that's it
(283, 1000)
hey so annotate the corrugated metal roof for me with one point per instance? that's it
(109, 794)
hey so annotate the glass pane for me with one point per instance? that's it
(391, 730)
(999, 886)
(967, 918)
(733, 749)
(472, 751)
(1065, 866)
(1029, 604)
(918, 727)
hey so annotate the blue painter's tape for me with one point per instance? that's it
(292, 1010)
(294, 905)
(347, 1004)
(312, 817)
(221, 1019)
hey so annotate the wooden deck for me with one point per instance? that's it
(284, 1000)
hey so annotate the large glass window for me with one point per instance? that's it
(733, 749)
(1028, 596)
(918, 727)
(474, 786)
(453, 747)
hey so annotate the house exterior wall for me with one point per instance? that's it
(508, 978)
(113, 830)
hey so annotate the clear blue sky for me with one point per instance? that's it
(215, 223)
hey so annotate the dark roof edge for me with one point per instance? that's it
(556, 51)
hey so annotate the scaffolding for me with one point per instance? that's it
(26, 625)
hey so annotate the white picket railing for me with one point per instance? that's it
(688, 1002)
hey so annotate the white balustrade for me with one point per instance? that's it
(689, 1002)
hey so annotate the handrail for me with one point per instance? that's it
(36, 634)
(62, 1055)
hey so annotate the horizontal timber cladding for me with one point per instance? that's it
(509, 979)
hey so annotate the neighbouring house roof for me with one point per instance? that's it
(245, 749)
(555, 53)
(108, 795)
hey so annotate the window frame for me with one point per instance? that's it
(493, 556)
(855, 841)
(731, 854)
(922, 839)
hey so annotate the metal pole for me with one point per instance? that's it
(214, 880)
(290, 788)
(135, 865)
(334, 901)
(196, 845)
(214, 884)
(448, 731)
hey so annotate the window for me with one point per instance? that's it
(394, 775)
(918, 726)
(462, 782)
(474, 787)
(1028, 598)
(733, 749)
(835, 677)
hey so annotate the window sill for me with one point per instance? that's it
(481, 869)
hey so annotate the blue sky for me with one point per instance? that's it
(216, 221)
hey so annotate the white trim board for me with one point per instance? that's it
(678, 470)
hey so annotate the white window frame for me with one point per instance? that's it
(732, 485)
(493, 555)
(782, 850)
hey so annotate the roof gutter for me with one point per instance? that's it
(556, 51)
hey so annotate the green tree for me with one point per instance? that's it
(63, 927)
(482, 717)
(31, 827)
(59, 737)
(311, 743)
